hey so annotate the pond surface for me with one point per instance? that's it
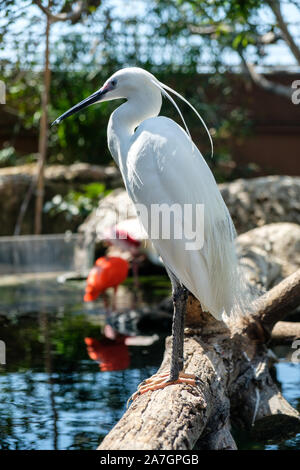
(55, 393)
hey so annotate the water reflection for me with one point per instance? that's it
(53, 394)
(111, 352)
(86, 407)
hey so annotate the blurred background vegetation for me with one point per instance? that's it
(235, 61)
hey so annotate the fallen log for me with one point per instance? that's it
(276, 303)
(232, 364)
(285, 332)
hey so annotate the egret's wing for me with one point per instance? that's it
(164, 166)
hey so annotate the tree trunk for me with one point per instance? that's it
(283, 25)
(43, 138)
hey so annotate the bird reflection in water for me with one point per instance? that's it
(112, 350)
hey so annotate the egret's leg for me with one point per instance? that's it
(175, 376)
(180, 295)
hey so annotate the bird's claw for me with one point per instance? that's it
(159, 381)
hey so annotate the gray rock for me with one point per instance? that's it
(270, 253)
(260, 201)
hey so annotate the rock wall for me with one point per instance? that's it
(251, 202)
(270, 253)
(260, 201)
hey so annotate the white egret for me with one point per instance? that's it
(161, 165)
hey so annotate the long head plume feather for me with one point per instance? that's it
(165, 93)
(164, 89)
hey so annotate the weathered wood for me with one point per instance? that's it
(221, 439)
(175, 425)
(186, 410)
(179, 416)
(279, 301)
(235, 386)
(285, 332)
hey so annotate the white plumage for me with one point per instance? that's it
(168, 168)
(160, 164)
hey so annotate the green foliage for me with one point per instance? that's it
(10, 157)
(217, 25)
(7, 156)
(77, 203)
(83, 137)
(27, 341)
(67, 337)
(158, 35)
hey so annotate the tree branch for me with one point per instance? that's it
(263, 82)
(278, 302)
(235, 384)
(212, 29)
(170, 418)
(73, 15)
(276, 9)
(178, 416)
(285, 332)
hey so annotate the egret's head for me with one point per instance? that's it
(131, 82)
(125, 83)
(128, 82)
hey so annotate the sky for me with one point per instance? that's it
(278, 54)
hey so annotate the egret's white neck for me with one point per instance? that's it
(126, 118)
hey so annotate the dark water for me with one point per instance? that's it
(52, 394)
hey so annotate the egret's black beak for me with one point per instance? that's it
(83, 104)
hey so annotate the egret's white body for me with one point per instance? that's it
(160, 164)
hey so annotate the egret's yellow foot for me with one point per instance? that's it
(158, 381)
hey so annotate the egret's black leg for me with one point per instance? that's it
(175, 376)
(180, 295)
